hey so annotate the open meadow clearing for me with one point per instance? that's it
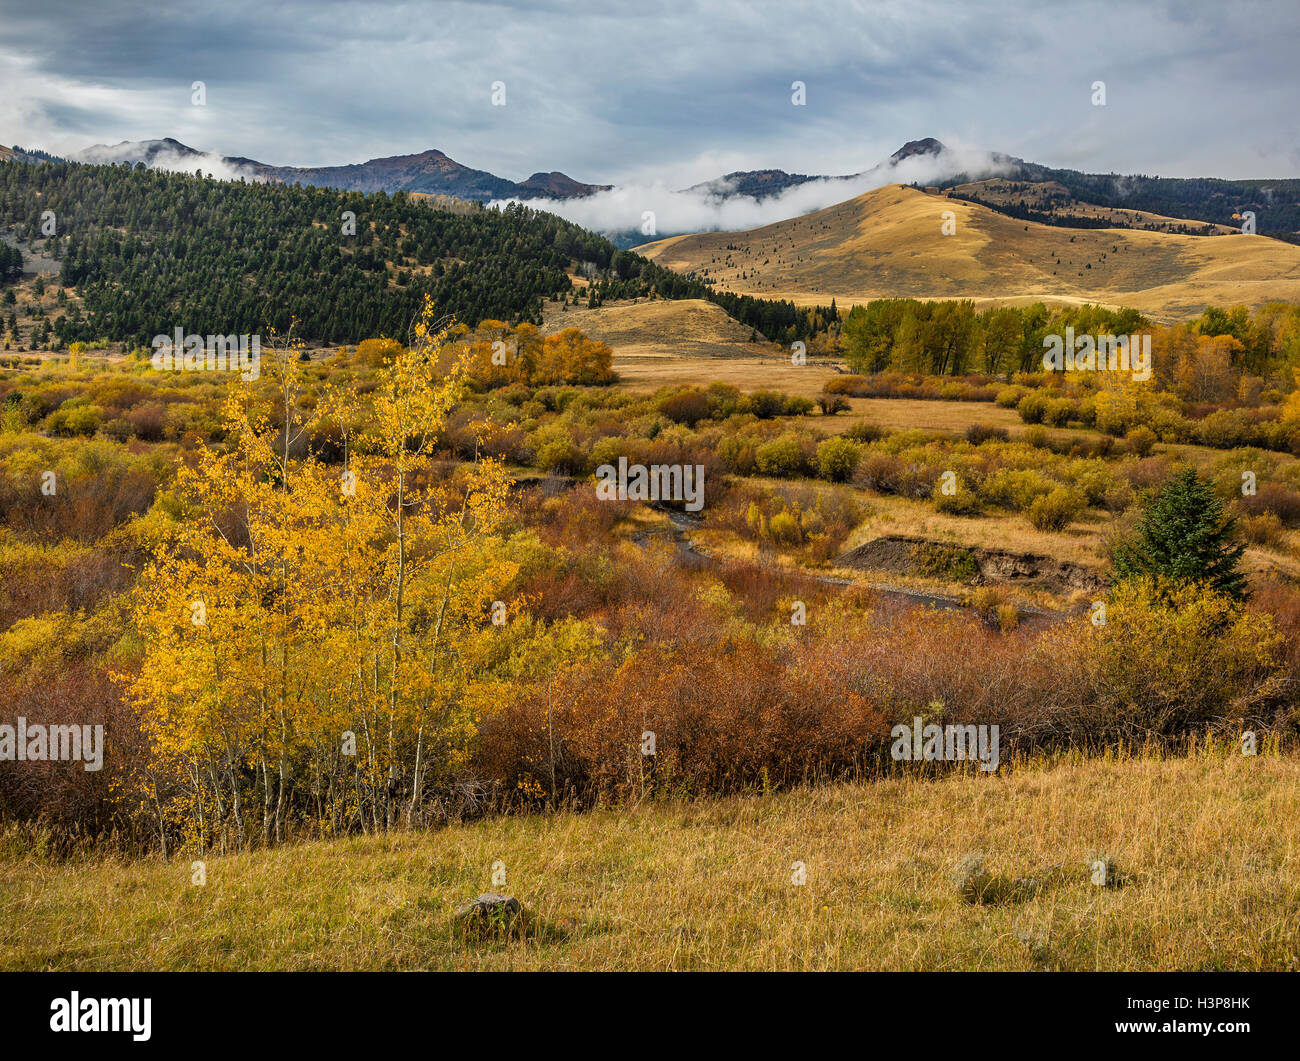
(1204, 856)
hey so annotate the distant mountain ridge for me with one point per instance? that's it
(763, 183)
(1211, 200)
(431, 172)
(434, 172)
(1275, 203)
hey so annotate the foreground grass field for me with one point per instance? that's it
(1204, 849)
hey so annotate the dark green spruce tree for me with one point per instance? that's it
(1183, 536)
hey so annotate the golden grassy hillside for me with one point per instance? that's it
(889, 243)
(658, 343)
(1204, 848)
(757, 372)
(690, 327)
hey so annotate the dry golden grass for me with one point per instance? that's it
(658, 343)
(1209, 845)
(996, 529)
(647, 374)
(902, 414)
(888, 243)
(641, 328)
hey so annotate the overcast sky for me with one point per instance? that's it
(665, 91)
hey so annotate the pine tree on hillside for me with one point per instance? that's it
(1183, 536)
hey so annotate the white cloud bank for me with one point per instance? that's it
(709, 208)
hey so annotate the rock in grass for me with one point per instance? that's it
(489, 915)
(975, 884)
(1106, 873)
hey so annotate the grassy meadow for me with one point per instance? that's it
(1204, 852)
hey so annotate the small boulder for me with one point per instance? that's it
(489, 914)
(976, 885)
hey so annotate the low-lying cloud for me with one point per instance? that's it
(165, 158)
(714, 207)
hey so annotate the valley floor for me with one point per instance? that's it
(1205, 849)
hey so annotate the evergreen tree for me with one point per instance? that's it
(11, 263)
(1183, 536)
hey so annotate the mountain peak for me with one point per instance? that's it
(928, 146)
(557, 185)
(133, 151)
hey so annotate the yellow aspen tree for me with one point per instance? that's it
(288, 606)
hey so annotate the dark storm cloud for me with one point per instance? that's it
(672, 92)
(139, 44)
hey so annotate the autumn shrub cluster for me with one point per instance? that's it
(734, 717)
(500, 355)
(972, 388)
(610, 637)
(144, 405)
(810, 520)
(735, 706)
(1121, 412)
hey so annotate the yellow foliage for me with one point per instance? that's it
(499, 355)
(1291, 408)
(315, 629)
(375, 353)
(1172, 659)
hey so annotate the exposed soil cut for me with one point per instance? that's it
(903, 555)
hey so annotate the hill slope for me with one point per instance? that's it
(1051, 203)
(349, 266)
(889, 243)
(689, 327)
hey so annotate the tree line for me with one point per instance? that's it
(952, 338)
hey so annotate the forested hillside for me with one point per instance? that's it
(1276, 203)
(149, 251)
